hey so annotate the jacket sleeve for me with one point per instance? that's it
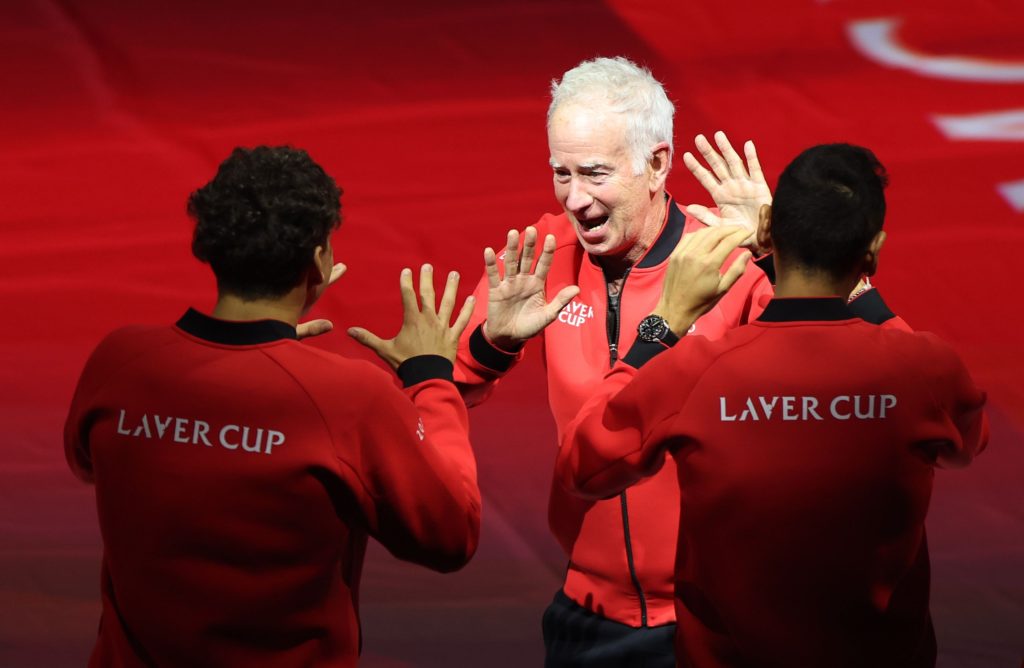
(623, 431)
(416, 468)
(81, 415)
(958, 428)
(84, 411)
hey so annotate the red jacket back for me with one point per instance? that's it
(804, 446)
(238, 475)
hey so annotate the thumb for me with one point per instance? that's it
(337, 271)
(704, 215)
(559, 301)
(305, 330)
(367, 338)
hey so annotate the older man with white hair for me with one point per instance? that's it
(605, 258)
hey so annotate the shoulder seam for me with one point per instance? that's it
(323, 419)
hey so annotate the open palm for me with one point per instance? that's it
(517, 305)
(739, 191)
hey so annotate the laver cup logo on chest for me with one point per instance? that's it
(802, 408)
(575, 313)
(199, 432)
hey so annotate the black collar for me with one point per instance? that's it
(666, 241)
(234, 333)
(795, 309)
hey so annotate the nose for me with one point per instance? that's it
(578, 199)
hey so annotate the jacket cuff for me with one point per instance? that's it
(422, 368)
(642, 352)
(870, 307)
(489, 355)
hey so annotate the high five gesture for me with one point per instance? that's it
(517, 306)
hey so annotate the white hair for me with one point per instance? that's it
(625, 88)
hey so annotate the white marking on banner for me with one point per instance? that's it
(876, 39)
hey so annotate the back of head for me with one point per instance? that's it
(620, 86)
(260, 219)
(828, 206)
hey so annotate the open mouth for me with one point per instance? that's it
(593, 223)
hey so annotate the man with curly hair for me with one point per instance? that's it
(239, 472)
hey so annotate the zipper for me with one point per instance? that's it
(612, 323)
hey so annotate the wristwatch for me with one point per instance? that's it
(655, 329)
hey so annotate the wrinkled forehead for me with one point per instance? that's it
(585, 133)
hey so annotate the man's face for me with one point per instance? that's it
(594, 181)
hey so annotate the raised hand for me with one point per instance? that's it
(738, 191)
(693, 281)
(517, 307)
(426, 329)
(312, 328)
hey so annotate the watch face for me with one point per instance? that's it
(652, 328)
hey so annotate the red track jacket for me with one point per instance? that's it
(238, 474)
(621, 550)
(805, 446)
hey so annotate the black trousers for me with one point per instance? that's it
(574, 637)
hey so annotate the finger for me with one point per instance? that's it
(734, 272)
(512, 254)
(753, 164)
(701, 242)
(704, 215)
(337, 271)
(546, 255)
(451, 288)
(685, 243)
(704, 239)
(703, 176)
(409, 304)
(368, 339)
(306, 330)
(464, 314)
(564, 296)
(732, 158)
(711, 157)
(529, 248)
(491, 268)
(427, 289)
(726, 244)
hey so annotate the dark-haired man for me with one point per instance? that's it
(238, 472)
(804, 443)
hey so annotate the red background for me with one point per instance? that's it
(431, 117)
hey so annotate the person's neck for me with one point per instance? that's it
(797, 282)
(615, 267)
(285, 309)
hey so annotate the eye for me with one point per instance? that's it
(562, 175)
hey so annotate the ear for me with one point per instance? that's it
(764, 228)
(660, 162)
(320, 269)
(871, 254)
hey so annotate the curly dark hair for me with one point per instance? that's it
(828, 206)
(261, 217)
